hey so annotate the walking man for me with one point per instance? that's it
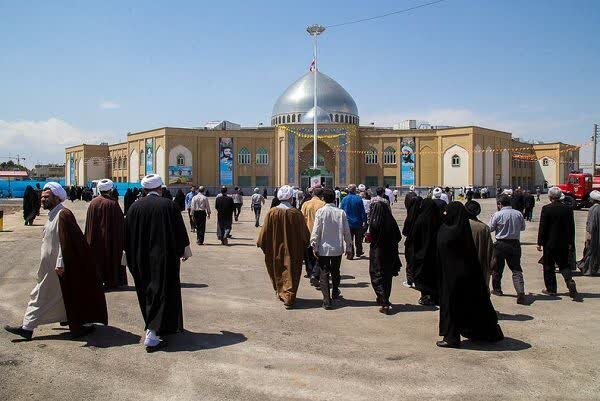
(238, 201)
(507, 225)
(309, 211)
(225, 209)
(257, 201)
(556, 239)
(188, 206)
(329, 234)
(352, 204)
(200, 209)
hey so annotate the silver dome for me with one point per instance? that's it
(322, 116)
(331, 97)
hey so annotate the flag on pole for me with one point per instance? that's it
(313, 65)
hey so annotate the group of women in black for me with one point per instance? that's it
(442, 264)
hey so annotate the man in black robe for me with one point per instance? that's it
(155, 241)
(465, 305)
(425, 264)
(31, 205)
(384, 260)
(224, 206)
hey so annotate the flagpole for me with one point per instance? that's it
(315, 30)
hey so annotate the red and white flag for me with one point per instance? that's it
(313, 65)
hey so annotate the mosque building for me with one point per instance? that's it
(224, 153)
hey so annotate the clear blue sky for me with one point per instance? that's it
(72, 71)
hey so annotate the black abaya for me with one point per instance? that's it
(384, 261)
(31, 205)
(465, 305)
(180, 200)
(423, 238)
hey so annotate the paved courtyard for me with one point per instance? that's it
(241, 344)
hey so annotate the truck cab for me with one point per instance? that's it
(578, 186)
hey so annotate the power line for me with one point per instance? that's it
(385, 15)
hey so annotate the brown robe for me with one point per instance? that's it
(105, 233)
(80, 284)
(482, 237)
(283, 239)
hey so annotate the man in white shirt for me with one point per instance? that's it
(389, 193)
(330, 232)
(257, 203)
(200, 209)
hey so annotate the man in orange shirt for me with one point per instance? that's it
(309, 210)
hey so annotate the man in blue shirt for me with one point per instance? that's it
(507, 224)
(352, 204)
(188, 206)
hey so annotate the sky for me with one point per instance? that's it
(75, 72)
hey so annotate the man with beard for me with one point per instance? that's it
(425, 264)
(225, 208)
(482, 238)
(465, 305)
(283, 239)
(31, 205)
(556, 238)
(155, 242)
(104, 232)
(68, 288)
(384, 261)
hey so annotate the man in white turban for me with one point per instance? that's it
(104, 232)
(437, 199)
(67, 289)
(156, 240)
(283, 239)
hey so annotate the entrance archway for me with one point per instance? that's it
(325, 163)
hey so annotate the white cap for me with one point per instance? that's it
(105, 185)
(285, 193)
(362, 188)
(57, 190)
(437, 193)
(595, 195)
(508, 192)
(152, 181)
(412, 187)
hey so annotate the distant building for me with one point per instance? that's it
(45, 171)
(410, 153)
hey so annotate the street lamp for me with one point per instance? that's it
(314, 31)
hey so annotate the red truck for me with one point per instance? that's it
(578, 186)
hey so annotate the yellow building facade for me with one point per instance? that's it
(347, 152)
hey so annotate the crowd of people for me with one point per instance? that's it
(450, 253)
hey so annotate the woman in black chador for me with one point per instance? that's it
(465, 305)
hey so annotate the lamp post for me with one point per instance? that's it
(314, 31)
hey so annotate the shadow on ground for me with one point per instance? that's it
(190, 341)
(508, 344)
(102, 337)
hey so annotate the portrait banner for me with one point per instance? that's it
(226, 161)
(408, 161)
(72, 178)
(180, 175)
(149, 154)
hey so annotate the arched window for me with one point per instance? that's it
(262, 156)
(299, 117)
(337, 118)
(293, 118)
(288, 118)
(114, 163)
(371, 156)
(346, 119)
(244, 157)
(389, 155)
(180, 160)
(545, 162)
(456, 161)
(331, 117)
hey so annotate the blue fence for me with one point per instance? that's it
(15, 189)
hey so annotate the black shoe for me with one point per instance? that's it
(198, 243)
(84, 331)
(314, 282)
(498, 293)
(446, 344)
(385, 309)
(358, 255)
(426, 301)
(162, 344)
(256, 225)
(521, 299)
(573, 290)
(20, 331)
(327, 304)
(549, 293)
(64, 324)
(336, 294)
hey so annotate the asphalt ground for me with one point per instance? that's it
(241, 344)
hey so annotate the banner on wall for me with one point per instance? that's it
(226, 161)
(180, 175)
(408, 160)
(149, 154)
(72, 180)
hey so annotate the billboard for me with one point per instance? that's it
(180, 175)
(149, 154)
(72, 179)
(226, 161)
(408, 160)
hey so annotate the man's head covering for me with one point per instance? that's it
(412, 188)
(256, 190)
(105, 185)
(362, 188)
(152, 181)
(437, 193)
(508, 192)
(57, 190)
(285, 193)
(473, 208)
(595, 195)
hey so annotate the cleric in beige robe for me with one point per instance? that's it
(283, 238)
(68, 288)
(482, 237)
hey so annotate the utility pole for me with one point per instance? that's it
(314, 31)
(595, 139)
